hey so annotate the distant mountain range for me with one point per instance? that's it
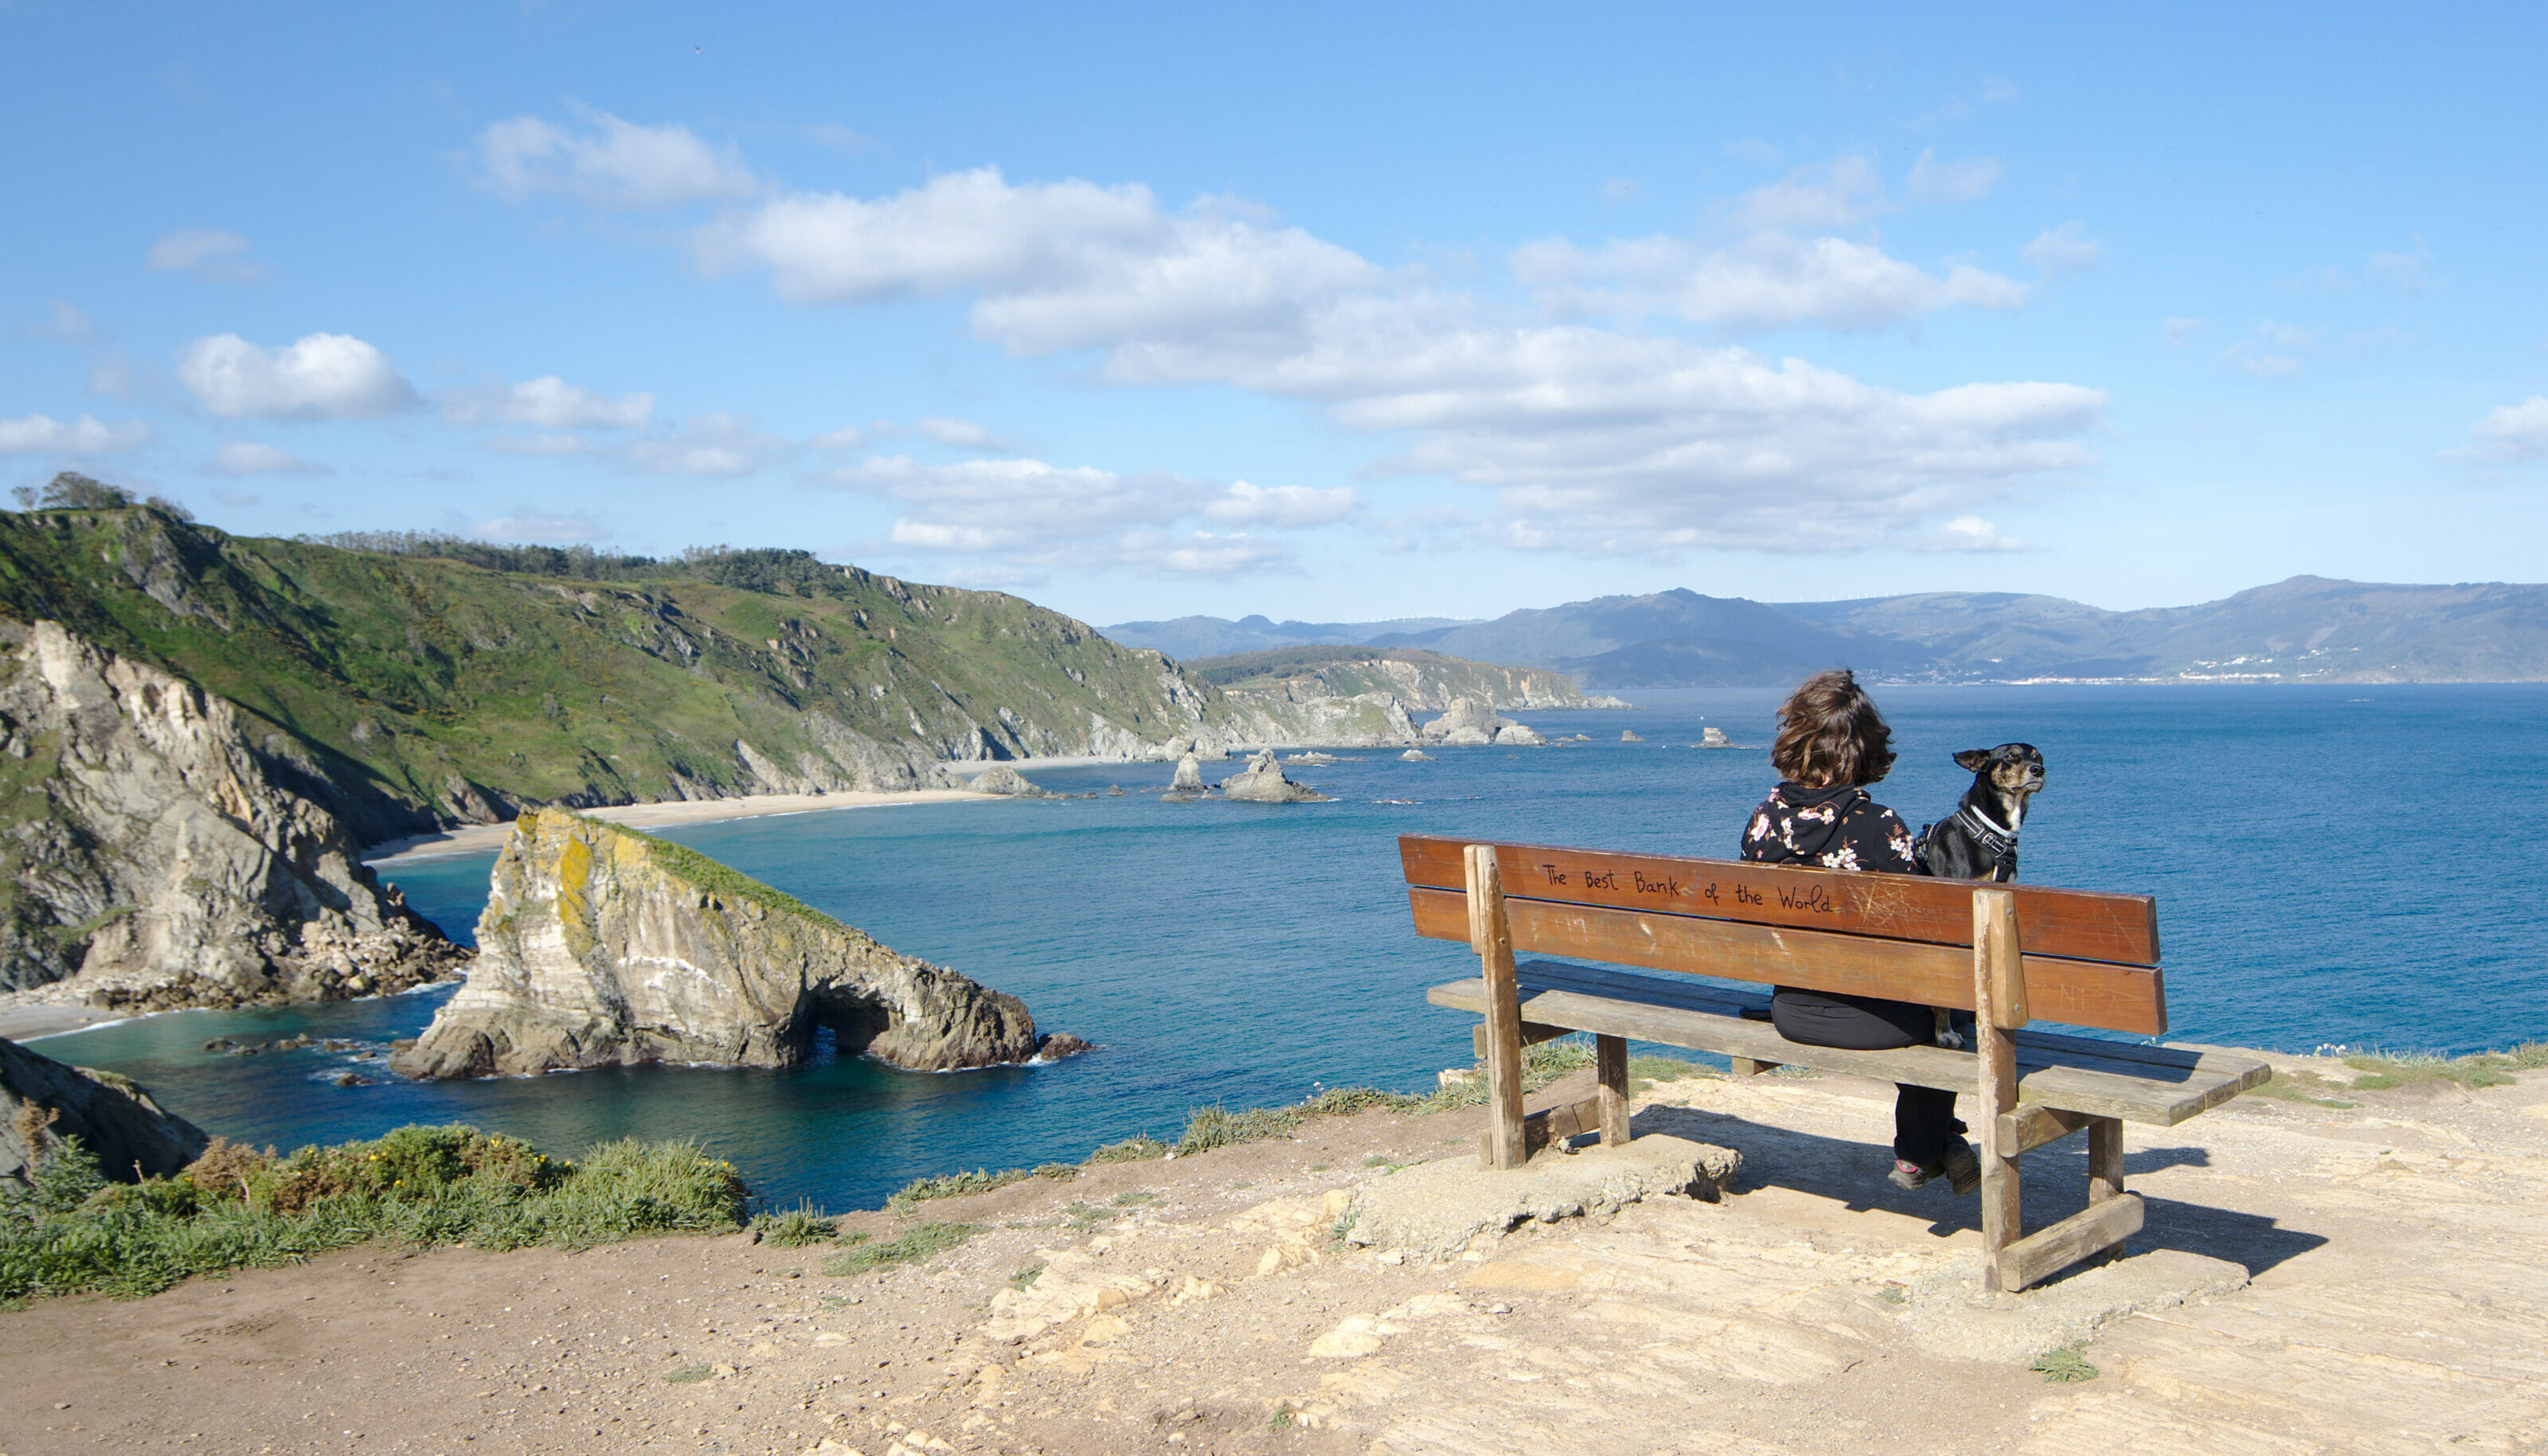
(2308, 629)
(1185, 637)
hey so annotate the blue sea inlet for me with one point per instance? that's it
(2332, 865)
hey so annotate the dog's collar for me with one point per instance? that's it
(1997, 839)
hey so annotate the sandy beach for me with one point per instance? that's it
(477, 839)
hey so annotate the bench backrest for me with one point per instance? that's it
(2090, 960)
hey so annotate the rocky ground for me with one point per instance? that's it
(2391, 1300)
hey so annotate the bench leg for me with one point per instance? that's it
(2104, 1159)
(1998, 1010)
(1744, 1066)
(1490, 934)
(1611, 1069)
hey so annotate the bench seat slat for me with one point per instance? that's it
(2056, 1077)
(2080, 993)
(2081, 925)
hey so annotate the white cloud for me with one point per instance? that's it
(2509, 432)
(1595, 439)
(1057, 265)
(43, 435)
(1840, 193)
(2407, 270)
(323, 376)
(847, 438)
(247, 457)
(1973, 533)
(1966, 179)
(611, 164)
(541, 527)
(2179, 330)
(2060, 251)
(1293, 506)
(549, 402)
(717, 446)
(211, 256)
(1770, 280)
(1203, 554)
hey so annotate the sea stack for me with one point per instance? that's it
(1189, 777)
(1263, 782)
(600, 945)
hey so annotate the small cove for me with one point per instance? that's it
(1248, 955)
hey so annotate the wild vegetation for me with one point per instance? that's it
(1425, 679)
(70, 1231)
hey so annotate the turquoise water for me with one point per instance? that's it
(2332, 866)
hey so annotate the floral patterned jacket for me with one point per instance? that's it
(1836, 828)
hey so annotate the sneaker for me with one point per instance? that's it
(1907, 1174)
(1964, 1166)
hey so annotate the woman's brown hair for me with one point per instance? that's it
(1829, 734)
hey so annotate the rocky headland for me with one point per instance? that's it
(163, 854)
(600, 945)
(44, 1101)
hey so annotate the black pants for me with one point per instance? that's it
(1923, 1118)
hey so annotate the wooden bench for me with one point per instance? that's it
(2010, 953)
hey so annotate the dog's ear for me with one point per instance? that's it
(1973, 759)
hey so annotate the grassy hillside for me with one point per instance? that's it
(412, 677)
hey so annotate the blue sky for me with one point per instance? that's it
(1325, 313)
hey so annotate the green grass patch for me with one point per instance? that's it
(2063, 1366)
(689, 1375)
(70, 1231)
(1131, 1150)
(2392, 1070)
(2300, 1086)
(953, 1185)
(866, 1255)
(1208, 1128)
(1026, 1275)
(1134, 1198)
(796, 1227)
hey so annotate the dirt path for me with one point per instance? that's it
(1202, 1305)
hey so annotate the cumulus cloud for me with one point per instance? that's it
(609, 163)
(211, 256)
(847, 438)
(1030, 512)
(323, 376)
(247, 457)
(1061, 265)
(1289, 506)
(43, 435)
(716, 447)
(2060, 252)
(2509, 432)
(542, 528)
(1595, 439)
(1973, 533)
(548, 403)
(1770, 280)
(963, 434)
(1965, 179)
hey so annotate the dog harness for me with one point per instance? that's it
(2000, 843)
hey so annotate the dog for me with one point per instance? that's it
(1979, 840)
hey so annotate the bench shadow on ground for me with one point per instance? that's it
(2053, 1186)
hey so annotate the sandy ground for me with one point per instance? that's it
(1201, 1304)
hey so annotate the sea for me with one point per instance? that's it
(2335, 867)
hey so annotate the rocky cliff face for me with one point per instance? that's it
(43, 1101)
(156, 856)
(602, 945)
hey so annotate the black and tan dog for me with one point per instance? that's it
(1979, 840)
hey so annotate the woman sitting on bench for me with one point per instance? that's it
(1831, 744)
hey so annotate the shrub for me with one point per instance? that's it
(1130, 1150)
(953, 1185)
(1208, 1128)
(796, 1227)
(70, 1231)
